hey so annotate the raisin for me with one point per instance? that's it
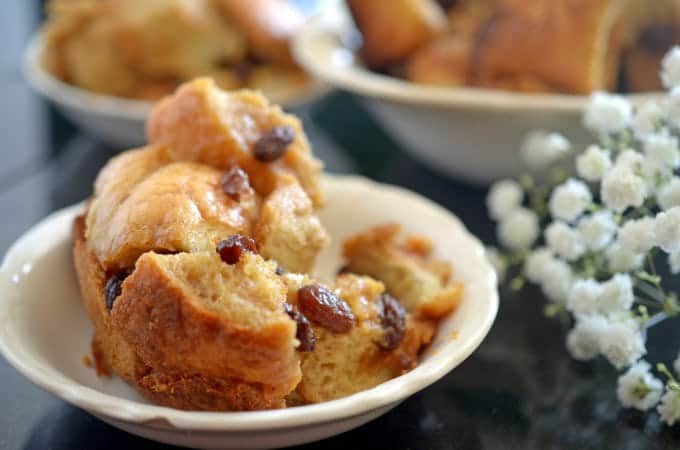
(305, 332)
(393, 321)
(113, 288)
(274, 143)
(323, 307)
(232, 248)
(234, 182)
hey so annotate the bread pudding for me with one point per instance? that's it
(569, 46)
(144, 50)
(195, 259)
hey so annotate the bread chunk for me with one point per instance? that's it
(177, 207)
(191, 313)
(201, 123)
(288, 231)
(406, 265)
(345, 363)
(393, 29)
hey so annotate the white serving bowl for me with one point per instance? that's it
(120, 121)
(45, 331)
(472, 134)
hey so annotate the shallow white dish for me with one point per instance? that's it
(45, 332)
(116, 120)
(469, 133)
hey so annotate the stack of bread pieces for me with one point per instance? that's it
(195, 260)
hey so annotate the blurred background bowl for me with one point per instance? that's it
(468, 133)
(119, 121)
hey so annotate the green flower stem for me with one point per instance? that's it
(653, 292)
(656, 319)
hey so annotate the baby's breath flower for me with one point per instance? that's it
(584, 297)
(668, 195)
(629, 159)
(535, 263)
(504, 196)
(638, 388)
(620, 259)
(674, 262)
(646, 119)
(499, 264)
(541, 148)
(556, 280)
(565, 241)
(622, 343)
(519, 229)
(607, 113)
(592, 164)
(617, 294)
(638, 235)
(583, 341)
(669, 409)
(622, 188)
(667, 229)
(671, 106)
(670, 68)
(662, 149)
(597, 230)
(569, 200)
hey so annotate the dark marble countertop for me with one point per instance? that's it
(519, 390)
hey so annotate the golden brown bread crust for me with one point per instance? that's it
(179, 313)
(115, 353)
(177, 390)
(177, 207)
(393, 29)
(406, 265)
(203, 124)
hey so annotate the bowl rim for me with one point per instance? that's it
(72, 96)
(450, 355)
(320, 42)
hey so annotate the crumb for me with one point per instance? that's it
(454, 335)
(99, 364)
(87, 361)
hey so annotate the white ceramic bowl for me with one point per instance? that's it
(469, 133)
(45, 332)
(116, 120)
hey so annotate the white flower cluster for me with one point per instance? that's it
(638, 388)
(620, 340)
(601, 228)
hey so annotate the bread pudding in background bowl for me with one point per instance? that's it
(461, 91)
(227, 294)
(104, 63)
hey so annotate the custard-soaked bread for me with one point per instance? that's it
(175, 39)
(193, 391)
(267, 24)
(191, 313)
(393, 29)
(406, 265)
(201, 123)
(342, 364)
(178, 207)
(288, 231)
(110, 348)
